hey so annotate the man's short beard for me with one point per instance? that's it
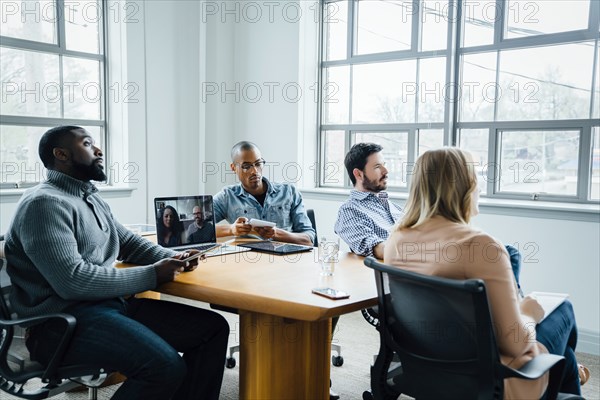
(373, 186)
(93, 172)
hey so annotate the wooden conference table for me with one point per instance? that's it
(285, 330)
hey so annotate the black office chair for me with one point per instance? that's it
(442, 331)
(16, 370)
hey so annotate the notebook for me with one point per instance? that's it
(549, 301)
(268, 246)
(182, 216)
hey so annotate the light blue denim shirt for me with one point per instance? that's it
(283, 205)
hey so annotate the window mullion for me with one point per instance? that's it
(585, 158)
(352, 38)
(352, 28)
(493, 167)
(411, 152)
(62, 45)
(452, 74)
(595, 67)
(594, 19)
(499, 21)
(347, 145)
(60, 8)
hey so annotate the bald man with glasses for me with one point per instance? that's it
(256, 197)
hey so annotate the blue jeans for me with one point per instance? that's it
(558, 332)
(515, 263)
(141, 338)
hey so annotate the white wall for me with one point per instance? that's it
(180, 136)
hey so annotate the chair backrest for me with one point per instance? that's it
(311, 215)
(4, 284)
(442, 331)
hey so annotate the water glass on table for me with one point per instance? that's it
(329, 249)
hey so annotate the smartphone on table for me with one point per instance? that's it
(197, 255)
(331, 293)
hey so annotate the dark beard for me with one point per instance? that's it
(373, 186)
(92, 172)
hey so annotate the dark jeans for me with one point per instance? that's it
(558, 332)
(515, 263)
(141, 338)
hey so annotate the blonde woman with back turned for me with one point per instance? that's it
(434, 238)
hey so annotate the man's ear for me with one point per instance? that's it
(232, 166)
(60, 153)
(358, 174)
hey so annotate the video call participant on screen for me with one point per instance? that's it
(442, 200)
(256, 197)
(60, 248)
(170, 228)
(200, 230)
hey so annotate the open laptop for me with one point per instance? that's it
(269, 246)
(181, 216)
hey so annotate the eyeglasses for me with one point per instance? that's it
(246, 166)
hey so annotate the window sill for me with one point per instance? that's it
(518, 208)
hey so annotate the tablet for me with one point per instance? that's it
(260, 223)
(269, 246)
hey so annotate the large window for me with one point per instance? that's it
(52, 70)
(516, 83)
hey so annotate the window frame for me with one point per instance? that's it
(59, 49)
(451, 124)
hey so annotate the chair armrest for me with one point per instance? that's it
(533, 369)
(57, 358)
(38, 319)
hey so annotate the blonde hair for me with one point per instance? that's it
(443, 183)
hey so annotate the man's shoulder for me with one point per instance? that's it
(283, 186)
(285, 190)
(352, 204)
(44, 192)
(190, 228)
(227, 191)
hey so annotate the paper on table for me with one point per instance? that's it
(549, 301)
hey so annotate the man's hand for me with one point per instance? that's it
(531, 308)
(167, 269)
(266, 232)
(240, 227)
(192, 264)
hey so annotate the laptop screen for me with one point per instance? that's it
(184, 220)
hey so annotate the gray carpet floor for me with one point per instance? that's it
(359, 341)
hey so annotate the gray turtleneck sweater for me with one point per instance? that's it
(61, 247)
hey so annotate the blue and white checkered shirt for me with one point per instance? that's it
(365, 220)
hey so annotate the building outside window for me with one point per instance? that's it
(516, 83)
(53, 72)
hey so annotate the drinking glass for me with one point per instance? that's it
(329, 249)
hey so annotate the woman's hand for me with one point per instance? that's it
(531, 308)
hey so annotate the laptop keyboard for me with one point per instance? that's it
(200, 247)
